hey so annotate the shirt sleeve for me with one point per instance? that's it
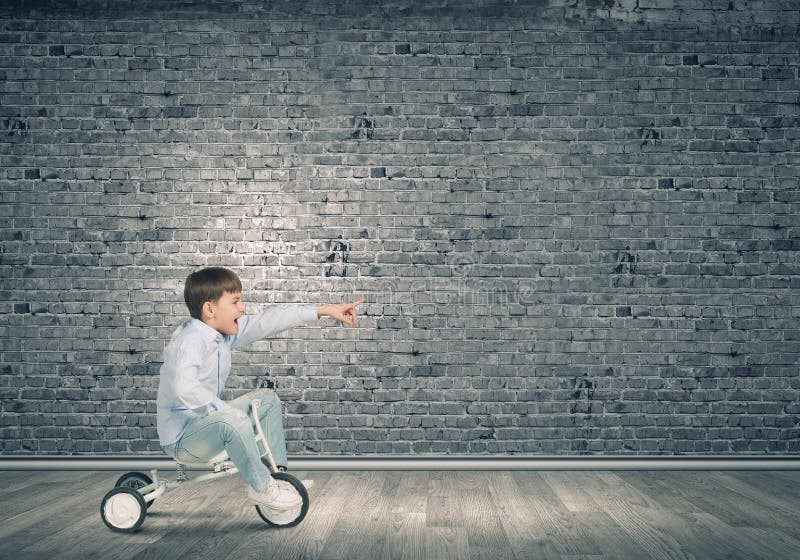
(189, 393)
(273, 320)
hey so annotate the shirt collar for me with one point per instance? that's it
(208, 333)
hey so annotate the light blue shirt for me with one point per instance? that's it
(197, 362)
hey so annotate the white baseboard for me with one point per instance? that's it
(427, 463)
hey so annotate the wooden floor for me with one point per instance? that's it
(634, 515)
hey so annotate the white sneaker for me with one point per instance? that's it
(277, 498)
(309, 484)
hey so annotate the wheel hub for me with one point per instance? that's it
(122, 510)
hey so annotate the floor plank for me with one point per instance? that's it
(406, 528)
(640, 516)
(611, 540)
(602, 515)
(779, 505)
(40, 489)
(572, 495)
(713, 494)
(405, 536)
(485, 534)
(446, 543)
(444, 507)
(523, 525)
(42, 513)
(359, 519)
(698, 539)
(748, 544)
(88, 532)
(206, 530)
(569, 536)
(15, 481)
(769, 483)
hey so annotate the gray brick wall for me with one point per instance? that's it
(576, 223)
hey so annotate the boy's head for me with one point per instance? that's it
(208, 286)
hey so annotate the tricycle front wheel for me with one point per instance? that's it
(292, 517)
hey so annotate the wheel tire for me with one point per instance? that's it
(135, 480)
(123, 510)
(303, 507)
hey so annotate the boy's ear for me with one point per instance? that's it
(207, 310)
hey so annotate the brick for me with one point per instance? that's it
(561, 252)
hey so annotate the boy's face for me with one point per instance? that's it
(223, 314)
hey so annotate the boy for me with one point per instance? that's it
(194, 424)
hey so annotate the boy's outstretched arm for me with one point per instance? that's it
(278, 318)
(343, 312)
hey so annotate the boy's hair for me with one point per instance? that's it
(208, 284)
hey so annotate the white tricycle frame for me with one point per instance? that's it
(124, 508)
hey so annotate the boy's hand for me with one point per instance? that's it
(344, 312)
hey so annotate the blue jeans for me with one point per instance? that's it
(234, 431)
